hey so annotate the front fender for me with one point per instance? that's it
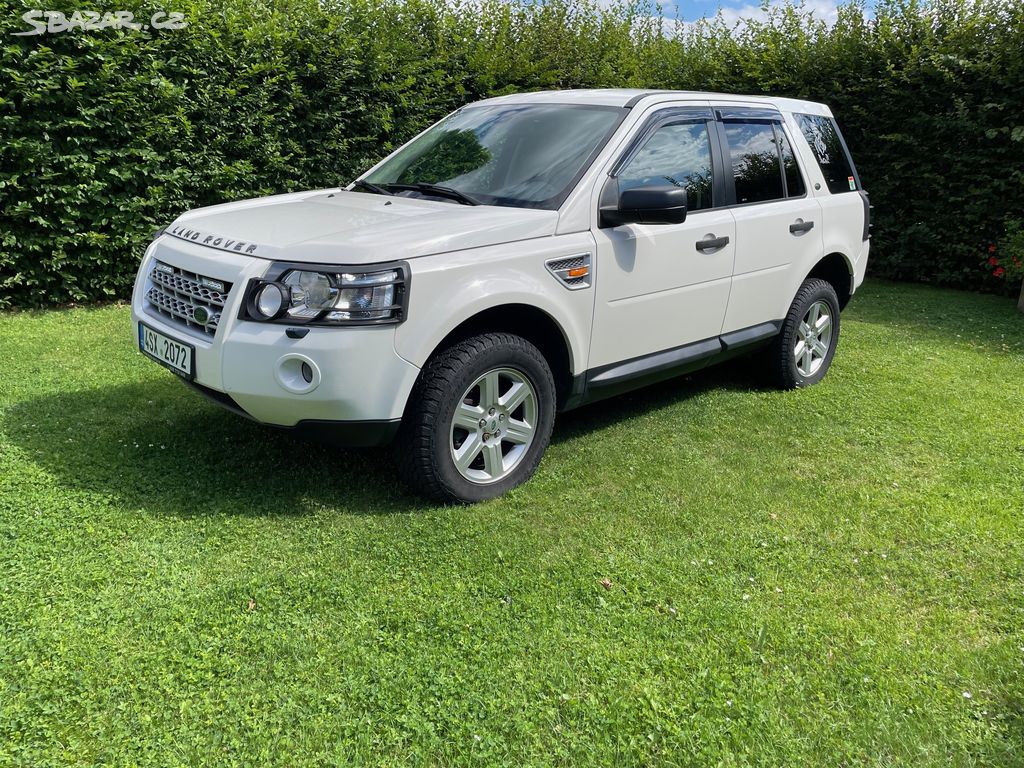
(449, 289)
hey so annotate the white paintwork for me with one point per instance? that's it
(449, 289)
(342, 227)
(652, 290)
(768, 256)
(361, 375)
(646, 272)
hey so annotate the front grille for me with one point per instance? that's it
(186, 298)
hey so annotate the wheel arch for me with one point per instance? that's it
(531, 323)
(837, 269)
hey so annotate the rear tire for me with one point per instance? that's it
(802, 352)
(478, 421)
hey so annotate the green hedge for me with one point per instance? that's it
(106, 135)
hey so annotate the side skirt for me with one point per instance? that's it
(609, 380)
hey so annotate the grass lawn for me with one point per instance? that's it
(826, 577)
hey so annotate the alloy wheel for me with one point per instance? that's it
(813, 339)
(493, 425)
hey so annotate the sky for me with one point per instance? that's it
(740, 10)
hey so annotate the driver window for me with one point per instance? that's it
(678, 154)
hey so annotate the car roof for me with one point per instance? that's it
(639, 97)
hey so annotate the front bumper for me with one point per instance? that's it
(352, 434)
(360, 383)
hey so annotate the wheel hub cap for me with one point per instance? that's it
(493, 425)
(813, 339)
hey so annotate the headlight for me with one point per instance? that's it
(269, 301)
(318, 295)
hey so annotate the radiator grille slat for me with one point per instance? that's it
(178, 295)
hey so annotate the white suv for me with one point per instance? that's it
(526, 254)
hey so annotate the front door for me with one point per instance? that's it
(664, 286)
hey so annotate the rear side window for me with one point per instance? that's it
(755, 162)
(677, 154)
(823, 136)
(763, 165)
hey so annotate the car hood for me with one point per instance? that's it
(341, 227)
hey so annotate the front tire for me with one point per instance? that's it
(478, 421)
(802, 352)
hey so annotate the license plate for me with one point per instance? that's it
(171, 353)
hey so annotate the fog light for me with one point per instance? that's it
(297, 373)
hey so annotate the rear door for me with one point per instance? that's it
(778, 225)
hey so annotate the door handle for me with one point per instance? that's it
(800, 226)
(709, 244)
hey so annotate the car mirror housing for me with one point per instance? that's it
(655, 204)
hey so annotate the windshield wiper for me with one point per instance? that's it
(369, 186)
(437, 189)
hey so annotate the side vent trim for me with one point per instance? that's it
(574, 272)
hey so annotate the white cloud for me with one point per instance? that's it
(677, 18)
(824, 10)
(674, 16)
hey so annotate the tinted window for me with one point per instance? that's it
(755, 162)
(525, 155)
(678, 154)
(822, 135)
(794, 181)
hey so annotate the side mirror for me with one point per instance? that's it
(658, 204)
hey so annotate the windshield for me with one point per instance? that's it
(523, 155)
